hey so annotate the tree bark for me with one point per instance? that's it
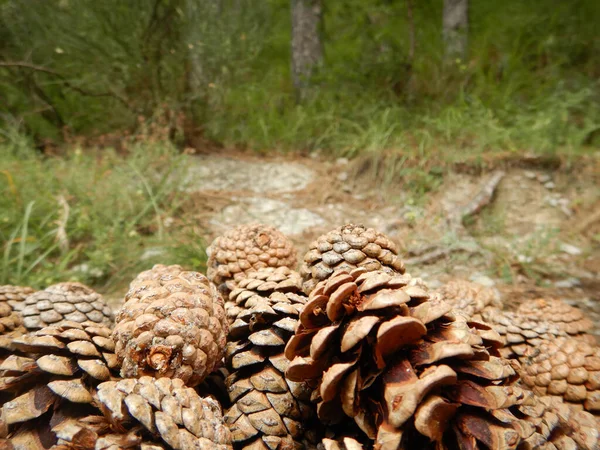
(307, 49)
(456, 24)
(196, 82)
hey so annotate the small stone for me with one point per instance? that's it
(524, 258)
(570, 249)
(529, 174)
(153, 252)
(482, 279)
(549, 185)
(568, 283)
(544, 178)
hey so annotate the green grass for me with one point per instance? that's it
(528, 84)
(558, 121)
(98, 218)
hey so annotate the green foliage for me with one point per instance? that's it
(97, 218)
(95, 66)
(529, 82)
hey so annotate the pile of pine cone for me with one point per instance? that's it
(351, 352)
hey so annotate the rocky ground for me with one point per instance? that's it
(539, 235)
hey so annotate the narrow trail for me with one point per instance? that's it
(527, 241)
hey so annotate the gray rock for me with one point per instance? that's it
(570, 249)
(544, 178)
(567, 283)
(153, 252)
(85, 269)
(482, 279)
(342, 176)
(276, 213)
(228, 174)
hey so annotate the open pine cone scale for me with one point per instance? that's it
(383, 350)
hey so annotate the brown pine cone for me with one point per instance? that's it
(11, 321)
(137, 413)
(567, 318)
(346, 248)
(262, 281)
(149, 277)
(172, 325)
(149, 413)
(584, 429)
(53, 369)
(567, 368)
(69, 350)
(346, 443)
(247, 248)
(14, 295)
(71, 302)
(268, 412)
(557, 425)
(519, 333)
(408, 370)
(468, 297)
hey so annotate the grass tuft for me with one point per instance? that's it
(98, 218)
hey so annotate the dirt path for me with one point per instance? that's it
(528, 242)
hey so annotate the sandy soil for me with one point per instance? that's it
(537, 238)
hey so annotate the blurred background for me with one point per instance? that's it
(405, 106)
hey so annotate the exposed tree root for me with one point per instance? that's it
(455, 219)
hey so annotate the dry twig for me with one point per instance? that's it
(482, 199)
(588, 221)
(65, 81)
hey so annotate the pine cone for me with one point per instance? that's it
(247, 248)
(584, 429)
(346, 443)
(172, 325)
(519, 333)
(144, 413)
(268, 412)
(470, 298)
(411, 373)
(567, 318)
(549, 424)
(567, 368)
(150, 277)
(148, 413)
(346, 248)
(72, 302)
(14, 295)
(11, 320)
(54, 368)
(557, 426)
(262, 282)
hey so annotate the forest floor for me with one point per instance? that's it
(538, 235)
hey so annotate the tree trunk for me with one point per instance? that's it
(307, 50)
(196, 81)
(456, 23)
